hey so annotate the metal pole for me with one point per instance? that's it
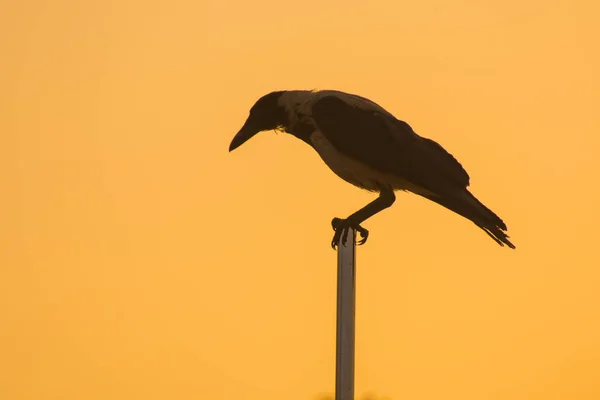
(346, 301)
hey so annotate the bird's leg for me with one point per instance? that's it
(386, 199)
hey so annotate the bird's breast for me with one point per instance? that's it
(347, 168)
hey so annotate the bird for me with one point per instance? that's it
(368, 147)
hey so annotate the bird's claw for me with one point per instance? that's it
(341, 226)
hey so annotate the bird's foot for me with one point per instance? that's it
(341, 226)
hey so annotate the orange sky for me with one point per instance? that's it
(141, 260)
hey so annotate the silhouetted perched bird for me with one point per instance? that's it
(370, 148)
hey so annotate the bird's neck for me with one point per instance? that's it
(297, 104)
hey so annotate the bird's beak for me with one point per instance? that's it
(242, 136)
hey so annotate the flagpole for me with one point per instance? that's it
(345, 319)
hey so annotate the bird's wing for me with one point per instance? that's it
(369, 134)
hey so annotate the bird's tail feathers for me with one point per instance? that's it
(471, 208)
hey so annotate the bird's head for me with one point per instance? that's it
(266, 114)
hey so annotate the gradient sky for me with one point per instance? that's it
(141, 260)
